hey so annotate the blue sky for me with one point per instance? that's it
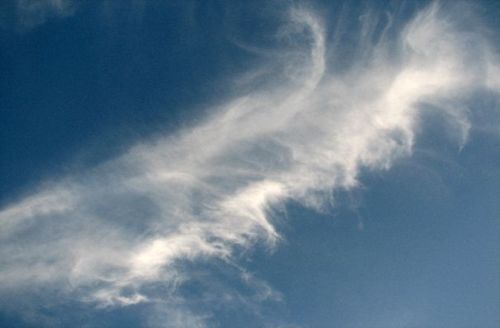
(249, 164)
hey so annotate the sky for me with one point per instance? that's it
(249, 163)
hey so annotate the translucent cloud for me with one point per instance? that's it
(208, 192)
(31, 13)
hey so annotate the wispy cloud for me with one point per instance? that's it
(111, 234)
(31, 13)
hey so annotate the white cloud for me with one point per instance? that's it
(209, 191)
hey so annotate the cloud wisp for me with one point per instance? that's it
(33, 13)
(111, 234)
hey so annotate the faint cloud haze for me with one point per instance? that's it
(31, 13)
(110, 235)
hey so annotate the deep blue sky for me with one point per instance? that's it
(417, 245)
(103, 76)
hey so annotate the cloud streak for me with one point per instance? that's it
(210, 191)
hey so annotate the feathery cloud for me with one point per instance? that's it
(207, 192)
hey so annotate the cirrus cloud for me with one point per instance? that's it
(109, 235)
